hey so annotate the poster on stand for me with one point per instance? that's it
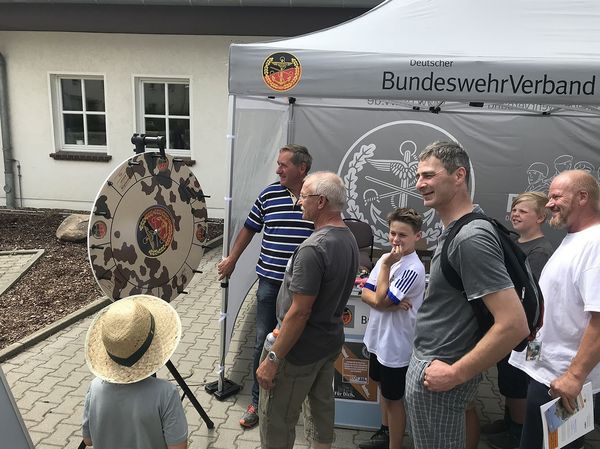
(351, 381)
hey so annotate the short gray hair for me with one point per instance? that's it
(451, 155)
(329, 185)
(300, 154)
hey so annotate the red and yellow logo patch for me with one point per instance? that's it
(200, 232)
(99, 229)
(155, 231)
(347, 316)
(281, 71)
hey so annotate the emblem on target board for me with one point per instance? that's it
(379, 172)
(200, 232)
(281, 71)
(155, 231)
(162, 164)
(99, 229)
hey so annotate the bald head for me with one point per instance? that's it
(582, 181)
(573, 200)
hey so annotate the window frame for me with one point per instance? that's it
(58, 123)
(140, 110)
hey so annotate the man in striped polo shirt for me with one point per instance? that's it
(275, 209)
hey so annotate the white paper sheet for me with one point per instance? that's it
(560, 428)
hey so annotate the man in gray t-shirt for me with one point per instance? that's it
(316, 287)
(449, 355)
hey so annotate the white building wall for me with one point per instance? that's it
(31, 58)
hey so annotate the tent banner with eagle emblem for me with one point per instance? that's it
(377, 154)
(374, 146)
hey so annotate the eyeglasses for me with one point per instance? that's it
(303, 197)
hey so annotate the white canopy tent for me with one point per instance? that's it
(476, 51)
(517, 83)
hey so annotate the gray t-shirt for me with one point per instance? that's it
(324, 265)
(144, 415)
(538, 251)
(446, 327)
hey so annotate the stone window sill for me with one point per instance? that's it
(80, 156)
(101, 157)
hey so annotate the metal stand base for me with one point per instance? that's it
(229, 389)
(187, 392)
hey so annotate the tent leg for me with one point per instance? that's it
(291, 125)
(223, 388)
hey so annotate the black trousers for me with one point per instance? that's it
(532, 436)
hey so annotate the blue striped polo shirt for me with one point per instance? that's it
(284, 229)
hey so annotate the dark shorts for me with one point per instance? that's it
(512, 382)
(392, 381)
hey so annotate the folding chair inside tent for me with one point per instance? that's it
(364, 238)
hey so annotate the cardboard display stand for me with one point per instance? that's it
(356, 396)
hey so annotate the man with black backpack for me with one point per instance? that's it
(450, 353)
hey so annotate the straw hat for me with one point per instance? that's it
(132, 338)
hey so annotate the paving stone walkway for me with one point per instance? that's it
(13, 264)
(49, 380)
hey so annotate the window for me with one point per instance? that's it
(164, 110)
(79, 113)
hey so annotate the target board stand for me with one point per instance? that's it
(147, 231)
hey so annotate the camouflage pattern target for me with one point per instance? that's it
(147, 228)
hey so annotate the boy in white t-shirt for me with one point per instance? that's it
(395, 291)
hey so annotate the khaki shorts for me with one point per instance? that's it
(298, 387)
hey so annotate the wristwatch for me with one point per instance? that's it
(272, 357)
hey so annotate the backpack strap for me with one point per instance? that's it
(512, 258)
(482, 315)
(448, 271)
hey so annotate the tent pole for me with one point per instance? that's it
(291, 125)
(223, 388)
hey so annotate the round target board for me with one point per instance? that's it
(147, 228)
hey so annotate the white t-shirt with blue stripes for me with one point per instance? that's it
(390, 332)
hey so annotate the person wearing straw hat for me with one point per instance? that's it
(126, 343)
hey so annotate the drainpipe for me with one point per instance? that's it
(9, 175)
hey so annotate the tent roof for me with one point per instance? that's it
(544, 50)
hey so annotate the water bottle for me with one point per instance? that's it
(270, 340)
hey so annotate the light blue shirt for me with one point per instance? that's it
(144, 415)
